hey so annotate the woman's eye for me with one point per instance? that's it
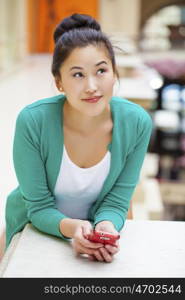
(79, 73)
(102, 71)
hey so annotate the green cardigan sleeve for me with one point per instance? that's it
(115, 205)
(31, 175)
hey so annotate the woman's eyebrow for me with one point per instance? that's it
(99, 63)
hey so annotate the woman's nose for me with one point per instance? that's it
(91, 86)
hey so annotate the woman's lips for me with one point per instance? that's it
(93, 99)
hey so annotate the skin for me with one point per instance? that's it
(87, 82)
(87, 72)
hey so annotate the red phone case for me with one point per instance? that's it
(103, 237)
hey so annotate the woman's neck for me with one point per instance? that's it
(83, 124)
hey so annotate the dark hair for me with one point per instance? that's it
(78, 30)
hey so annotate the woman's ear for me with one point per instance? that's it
(58, 83)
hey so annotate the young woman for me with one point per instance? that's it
(78, 155)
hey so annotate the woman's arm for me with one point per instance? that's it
(31, 174)
(113, 211)
(114, 207)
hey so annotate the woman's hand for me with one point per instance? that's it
(108, 251)
(81, 244)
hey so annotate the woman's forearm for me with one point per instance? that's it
(68, 226)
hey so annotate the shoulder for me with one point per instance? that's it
(123, 106)
(40, 109)
(130, 112)
(43, 104)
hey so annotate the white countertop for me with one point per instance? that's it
(148, 249)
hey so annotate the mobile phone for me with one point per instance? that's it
(103, 237)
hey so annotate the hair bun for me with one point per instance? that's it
(73, 22)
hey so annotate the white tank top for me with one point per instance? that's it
(77, 188)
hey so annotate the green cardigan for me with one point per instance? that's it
(37, 154)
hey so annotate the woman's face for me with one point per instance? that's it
(85, 74)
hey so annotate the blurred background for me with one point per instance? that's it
(149, 42)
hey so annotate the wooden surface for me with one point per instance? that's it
(43, 16)
(148, 249)
(2, 244)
